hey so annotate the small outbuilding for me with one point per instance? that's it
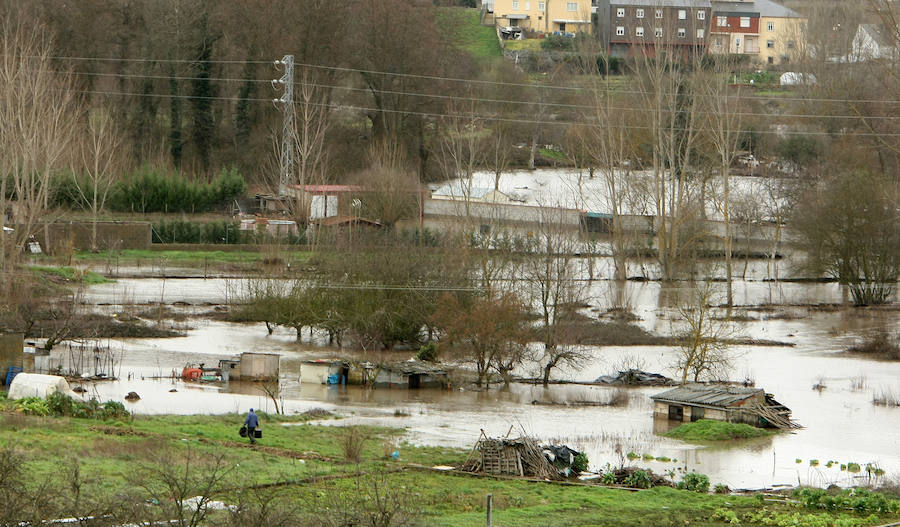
(250, 366)
(722, 402)
(408, 374)
(324, 371)
(37, 385)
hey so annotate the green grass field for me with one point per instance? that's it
(709, 430)
(298, 462)
(69, 274)
(462, 26)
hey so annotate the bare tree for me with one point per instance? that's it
(670, 103)
(723, 126)
(37, 126)
(462, 144)
(102, 162)
(182, 484)
(553, 276)
(703, 350)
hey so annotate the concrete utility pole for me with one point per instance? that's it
(287, 131)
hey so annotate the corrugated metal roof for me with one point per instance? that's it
(708, 395)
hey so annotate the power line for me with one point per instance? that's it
(468, 99)
(478, 117)
(457, 79)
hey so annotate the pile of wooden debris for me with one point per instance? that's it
(521, 456)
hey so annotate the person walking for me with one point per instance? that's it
(252, 423)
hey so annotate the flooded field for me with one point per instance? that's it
(840, 422)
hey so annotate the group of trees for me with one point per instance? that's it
(483, 299)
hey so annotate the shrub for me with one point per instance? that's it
(185, 231)
(33, 406)
(428, 352)
(352, 441)
(638, 479)
(154, 190)
(580, 463)
(114, 410)
(608, 478)
(61, 404)
(694, 482)
(558, 43)
(721, 488)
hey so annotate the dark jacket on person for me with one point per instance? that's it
(252, 420)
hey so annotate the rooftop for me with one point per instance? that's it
(766, 8)
(719, 395)
(698, 4)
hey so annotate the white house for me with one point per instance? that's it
(874, 41)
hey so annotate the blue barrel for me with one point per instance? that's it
(13, 371)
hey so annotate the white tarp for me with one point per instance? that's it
(37, 385)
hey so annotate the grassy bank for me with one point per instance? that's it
(709, 430)
(199, 257)
(68, 274)
(464, 30)
(302, 468)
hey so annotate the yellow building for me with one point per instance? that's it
(544, 16)
(781, 38)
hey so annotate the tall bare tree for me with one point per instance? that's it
(553, 273)
(666, 76)
(723, 126)
(102, 161)
(38, 123)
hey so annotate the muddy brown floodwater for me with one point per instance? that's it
(840, 422)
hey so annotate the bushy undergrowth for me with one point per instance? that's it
(694, 482)
(59, 404)
(880, 345)
(184, 231)
(858, 499)
(156, 190)
(709, 430)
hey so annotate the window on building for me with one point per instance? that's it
(515, 4)
(790, 44)
(721, 21)
(745, 21)
(700, 34)
(659, 13)
(571, 6)
(527, 6)
(681, 32)
(542, 6)
(682, 14)
(701, 15)
(639, 13)
(659, 32)
(770, 26)
(620, 12)
(770, 44)
(639, 31)
(620, 31)
(771, 60)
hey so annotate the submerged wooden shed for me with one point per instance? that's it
(722, 402)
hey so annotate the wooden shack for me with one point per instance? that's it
(722, 402)
(251, 366)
